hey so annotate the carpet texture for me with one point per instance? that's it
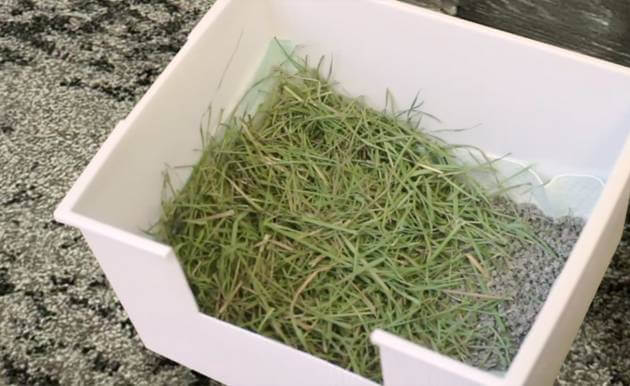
(69, 70)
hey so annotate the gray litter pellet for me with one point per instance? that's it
(526, 279)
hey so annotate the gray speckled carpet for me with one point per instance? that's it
(69, 70)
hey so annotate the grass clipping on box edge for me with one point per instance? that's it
(318, 219)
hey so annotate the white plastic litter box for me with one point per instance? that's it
(564, 112)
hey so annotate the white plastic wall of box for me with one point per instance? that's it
(566, 112)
